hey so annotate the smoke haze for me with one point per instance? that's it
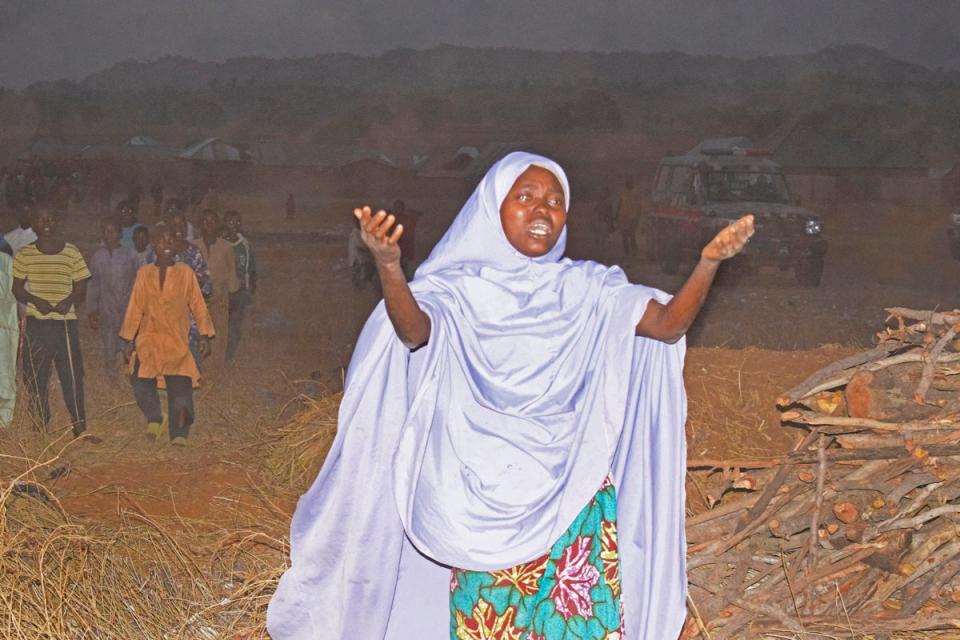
(53, 39)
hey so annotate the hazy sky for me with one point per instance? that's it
(50, 39)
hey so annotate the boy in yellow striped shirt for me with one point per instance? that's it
(57, 274)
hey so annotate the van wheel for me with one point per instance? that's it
(809, 272)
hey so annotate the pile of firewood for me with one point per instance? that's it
(857, 530)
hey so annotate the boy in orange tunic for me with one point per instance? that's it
(158, 321)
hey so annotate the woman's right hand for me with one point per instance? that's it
(380, 234)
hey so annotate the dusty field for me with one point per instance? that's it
(753, 340)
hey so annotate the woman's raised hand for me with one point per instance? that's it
(730, 241)
(379, 234)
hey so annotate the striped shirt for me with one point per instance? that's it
(50, 276)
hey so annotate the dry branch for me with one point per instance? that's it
(864, 527)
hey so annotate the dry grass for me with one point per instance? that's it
(143, 576)
(298, 448)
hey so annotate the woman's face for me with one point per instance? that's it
(534, 212)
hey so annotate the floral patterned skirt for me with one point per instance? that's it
(573, 592)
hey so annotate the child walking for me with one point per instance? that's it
(113, 269)
(221, 262)
(246, 276)
(189, 254)
(57, 276)
(510, 458)
(157, 329)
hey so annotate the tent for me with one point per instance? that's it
(212, 149)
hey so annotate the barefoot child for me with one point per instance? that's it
(515, 416)
(156, 328)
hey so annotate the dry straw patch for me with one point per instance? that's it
(140, 576)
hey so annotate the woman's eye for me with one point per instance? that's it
(523, 197)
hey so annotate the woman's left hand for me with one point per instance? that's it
(730, 241)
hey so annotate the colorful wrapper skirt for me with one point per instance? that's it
(571, 593)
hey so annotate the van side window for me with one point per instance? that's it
(680, 183)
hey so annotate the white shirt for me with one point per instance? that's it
(20, 237)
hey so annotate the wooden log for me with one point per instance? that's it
(889, 559)
(881, 453)
(930, 317)
(840, 379)
(773, 487)
(814, 543)
(722, 511)
(723, 545)
(753, 606)
(846, 512)
(741, 463)
(854, 531)
(916, 571)
(917, 521)
(792, 592)
(930, 365)
(940, 577)
(910, 482)
(712, 530)
(831, 587)
(916, 503)
(788, 526)
(860, 395)
(938, 535)
(818, 377)
(809, 418)
(866, 472)
(869, 440)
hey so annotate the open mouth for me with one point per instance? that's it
(540, 230)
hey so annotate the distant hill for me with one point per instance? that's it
(425, 99)
(448, 67)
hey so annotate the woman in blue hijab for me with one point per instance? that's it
(510, 455)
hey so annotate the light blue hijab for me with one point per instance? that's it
(478, 450)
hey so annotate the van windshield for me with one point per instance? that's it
(732, 185)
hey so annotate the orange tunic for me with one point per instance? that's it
(159, 319)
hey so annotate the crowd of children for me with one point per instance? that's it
(164, 308)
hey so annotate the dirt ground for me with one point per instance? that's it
(753, 340)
